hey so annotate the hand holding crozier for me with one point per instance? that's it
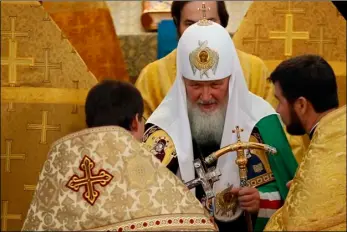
(289, 183)
(248, 197)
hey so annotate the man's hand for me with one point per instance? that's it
(249, 198)
(289, 183)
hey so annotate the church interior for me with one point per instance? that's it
(52, 53)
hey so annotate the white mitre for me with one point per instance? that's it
(206, 52)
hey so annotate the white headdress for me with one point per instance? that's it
(206, 52)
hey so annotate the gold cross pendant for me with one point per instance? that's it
(238, 131)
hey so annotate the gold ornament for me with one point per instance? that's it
(226, 203)
(203, 59)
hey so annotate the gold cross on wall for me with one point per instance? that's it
(9, 156)
(44, 127)
(5, 216)
(289, 10)
(288, 35)
(203, 9)
(238, 131)
(321, 41)
(12, 33)
(89, 180)
(13, 61)
(256, 39)
(46, 65)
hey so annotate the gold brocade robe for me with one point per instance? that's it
(317, 197)
(103, 179)
(156, 79)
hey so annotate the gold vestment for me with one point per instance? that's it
(317, 197)
(103, 179)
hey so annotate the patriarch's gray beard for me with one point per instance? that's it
(206, 127)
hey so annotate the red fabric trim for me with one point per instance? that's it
(267, 204)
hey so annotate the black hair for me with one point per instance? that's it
(308, 76)
(113, 102)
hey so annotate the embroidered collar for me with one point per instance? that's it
(313, 130)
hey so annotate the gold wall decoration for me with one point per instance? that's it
(43, 127)
(257, 40)
(321, 40)
(12, 61)
(295, 28)
(307, 17)
(153, 12)
(9, 156)
(46, 65)
(288, 35)
(44, 95)
(44, 84)
(6, 216)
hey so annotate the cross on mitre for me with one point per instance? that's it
(204, 21)
(203, 9)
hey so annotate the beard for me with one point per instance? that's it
(206, 127)
(295, 126)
